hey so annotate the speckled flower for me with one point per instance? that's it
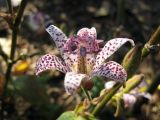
(82, 58)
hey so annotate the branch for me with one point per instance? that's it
(3, 54)
(10, 8)
(15, 29)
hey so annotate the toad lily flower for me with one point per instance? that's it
(82, 58)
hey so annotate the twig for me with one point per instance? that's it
(16, 27)
(21, 57)
(13, 49)
(86, 93)
(10, 8)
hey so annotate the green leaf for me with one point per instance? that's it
(31, 89)
(70, 115)
(98, 86)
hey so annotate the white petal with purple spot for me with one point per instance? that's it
(73, 81)
(110, 47)
(48, 62)
(111, 70)
(58, 36)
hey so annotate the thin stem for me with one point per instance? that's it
(22, 57)
(86, 93)
(14, 42)
(7, 77)
(154, 39)
(16, 28)
(10, 8)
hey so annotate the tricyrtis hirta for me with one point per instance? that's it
(82, 58)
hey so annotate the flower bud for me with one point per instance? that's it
(132, 60)
(87, 84)
(154, 40)
(129, 100)
(133, 83)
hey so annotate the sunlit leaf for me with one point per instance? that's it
(158, 87)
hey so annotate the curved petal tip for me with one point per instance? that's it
(73, 81)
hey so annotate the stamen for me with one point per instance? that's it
(83, 51)
(82, 60)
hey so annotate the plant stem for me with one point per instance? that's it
(15, 30)
(154, 39)
(99, 106)
(9, 4)
(86, 93)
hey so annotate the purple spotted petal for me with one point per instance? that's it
(86, 33)
(76, 64)
(110, 47)
(58, 36)
(90, 61)
(73, 81)
(88, 37)
(68, 60)
(71, 44)
(48, 62)
(111, 70)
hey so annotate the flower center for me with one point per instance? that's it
(83, 51)
(82, 60)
